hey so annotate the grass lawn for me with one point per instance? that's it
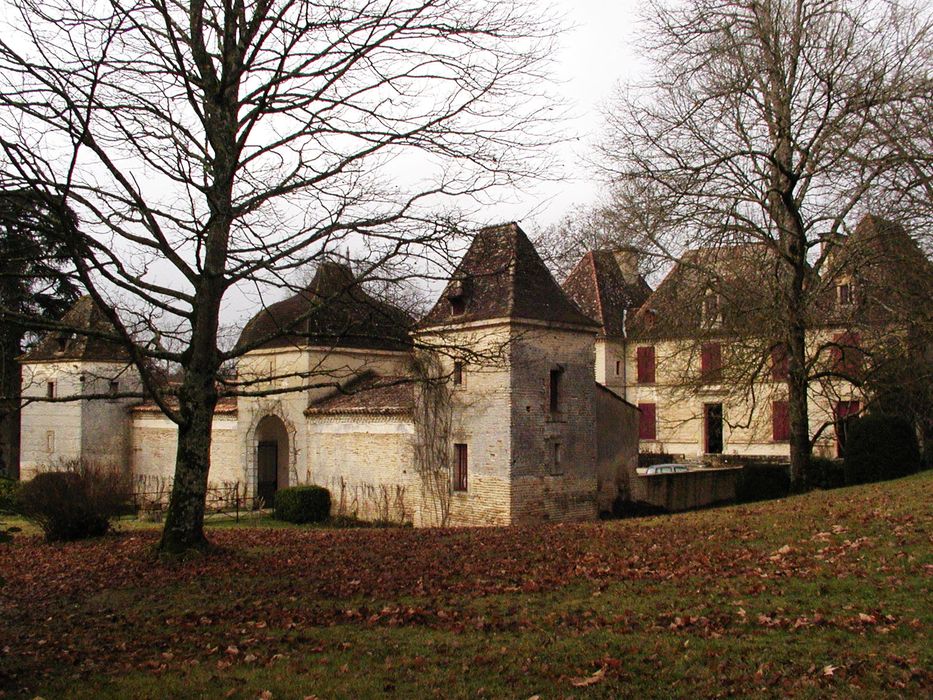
(826, 594)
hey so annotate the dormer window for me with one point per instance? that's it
(844, 294)
(711, 308)
(456, 295)
(61, 343)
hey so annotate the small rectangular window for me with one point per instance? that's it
(50, 390)
(646, 364)
(460, 467)
(458, 373)
(844, 294)
(647, 421)
(780, 421)
(555, 459)
(554, 390)
(618, 368)
(114, 388)
(50, 441)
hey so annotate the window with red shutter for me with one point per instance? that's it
(847, 357)
(780, 421)
(711, 362)
(779, 363)
(646, 364)
(647, 421)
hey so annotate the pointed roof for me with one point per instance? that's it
(599, 288)
(502, 276)
(333, 311)
(74, 344)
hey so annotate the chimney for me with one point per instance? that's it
(627, 260)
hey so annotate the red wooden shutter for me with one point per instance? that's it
(647, 421)
(847, 357)
(711, 362)
(780, 421)
(646, 364)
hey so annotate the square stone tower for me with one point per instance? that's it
(517, 355)
(60, 419)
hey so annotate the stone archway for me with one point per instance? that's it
(272, 457)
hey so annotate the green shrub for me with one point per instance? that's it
(75, 502)
(760, 481)
(8, 490)
(880, 446)
(825, 473)
(302, 504)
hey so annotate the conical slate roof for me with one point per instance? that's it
(333, 311)
(502, 276)
(86, 316)
(599, 288)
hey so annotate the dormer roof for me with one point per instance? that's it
(502, 276)
(86, 338)
(332, 311)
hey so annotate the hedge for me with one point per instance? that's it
(880, 446)
(302, 504)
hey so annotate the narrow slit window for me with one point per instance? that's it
(554, 390)
(460, 467)
(458, 373)
(50, 390)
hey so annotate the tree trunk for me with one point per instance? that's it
(797, 407)
(184, 522)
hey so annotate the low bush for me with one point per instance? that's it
(880, 446)
(9, 488)
(825, 473)
(762, 481)
(302, 504)
(74, 501)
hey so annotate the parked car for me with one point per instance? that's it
(665, 469)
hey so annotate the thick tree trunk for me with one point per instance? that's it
(184, 522)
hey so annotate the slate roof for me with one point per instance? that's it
(333, 311)
(502, 276)
(84, 315)
(368, 393)
(742, 276)
(598, 286)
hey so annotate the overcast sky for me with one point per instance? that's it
(597, 52)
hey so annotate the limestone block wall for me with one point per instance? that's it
(311, 373)
(481, 419)
(747, 415)
(92, 429)
(611, 364)
(365, 461)
(154, 441)
(554, 453)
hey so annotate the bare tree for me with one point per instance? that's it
(760, 126)
(211, 148)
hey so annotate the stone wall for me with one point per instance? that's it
(617, 447)
(154, 441)
(553, 466)
(686, 490)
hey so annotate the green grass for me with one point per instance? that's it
(825, 594)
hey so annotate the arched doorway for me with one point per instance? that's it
(271, 458)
